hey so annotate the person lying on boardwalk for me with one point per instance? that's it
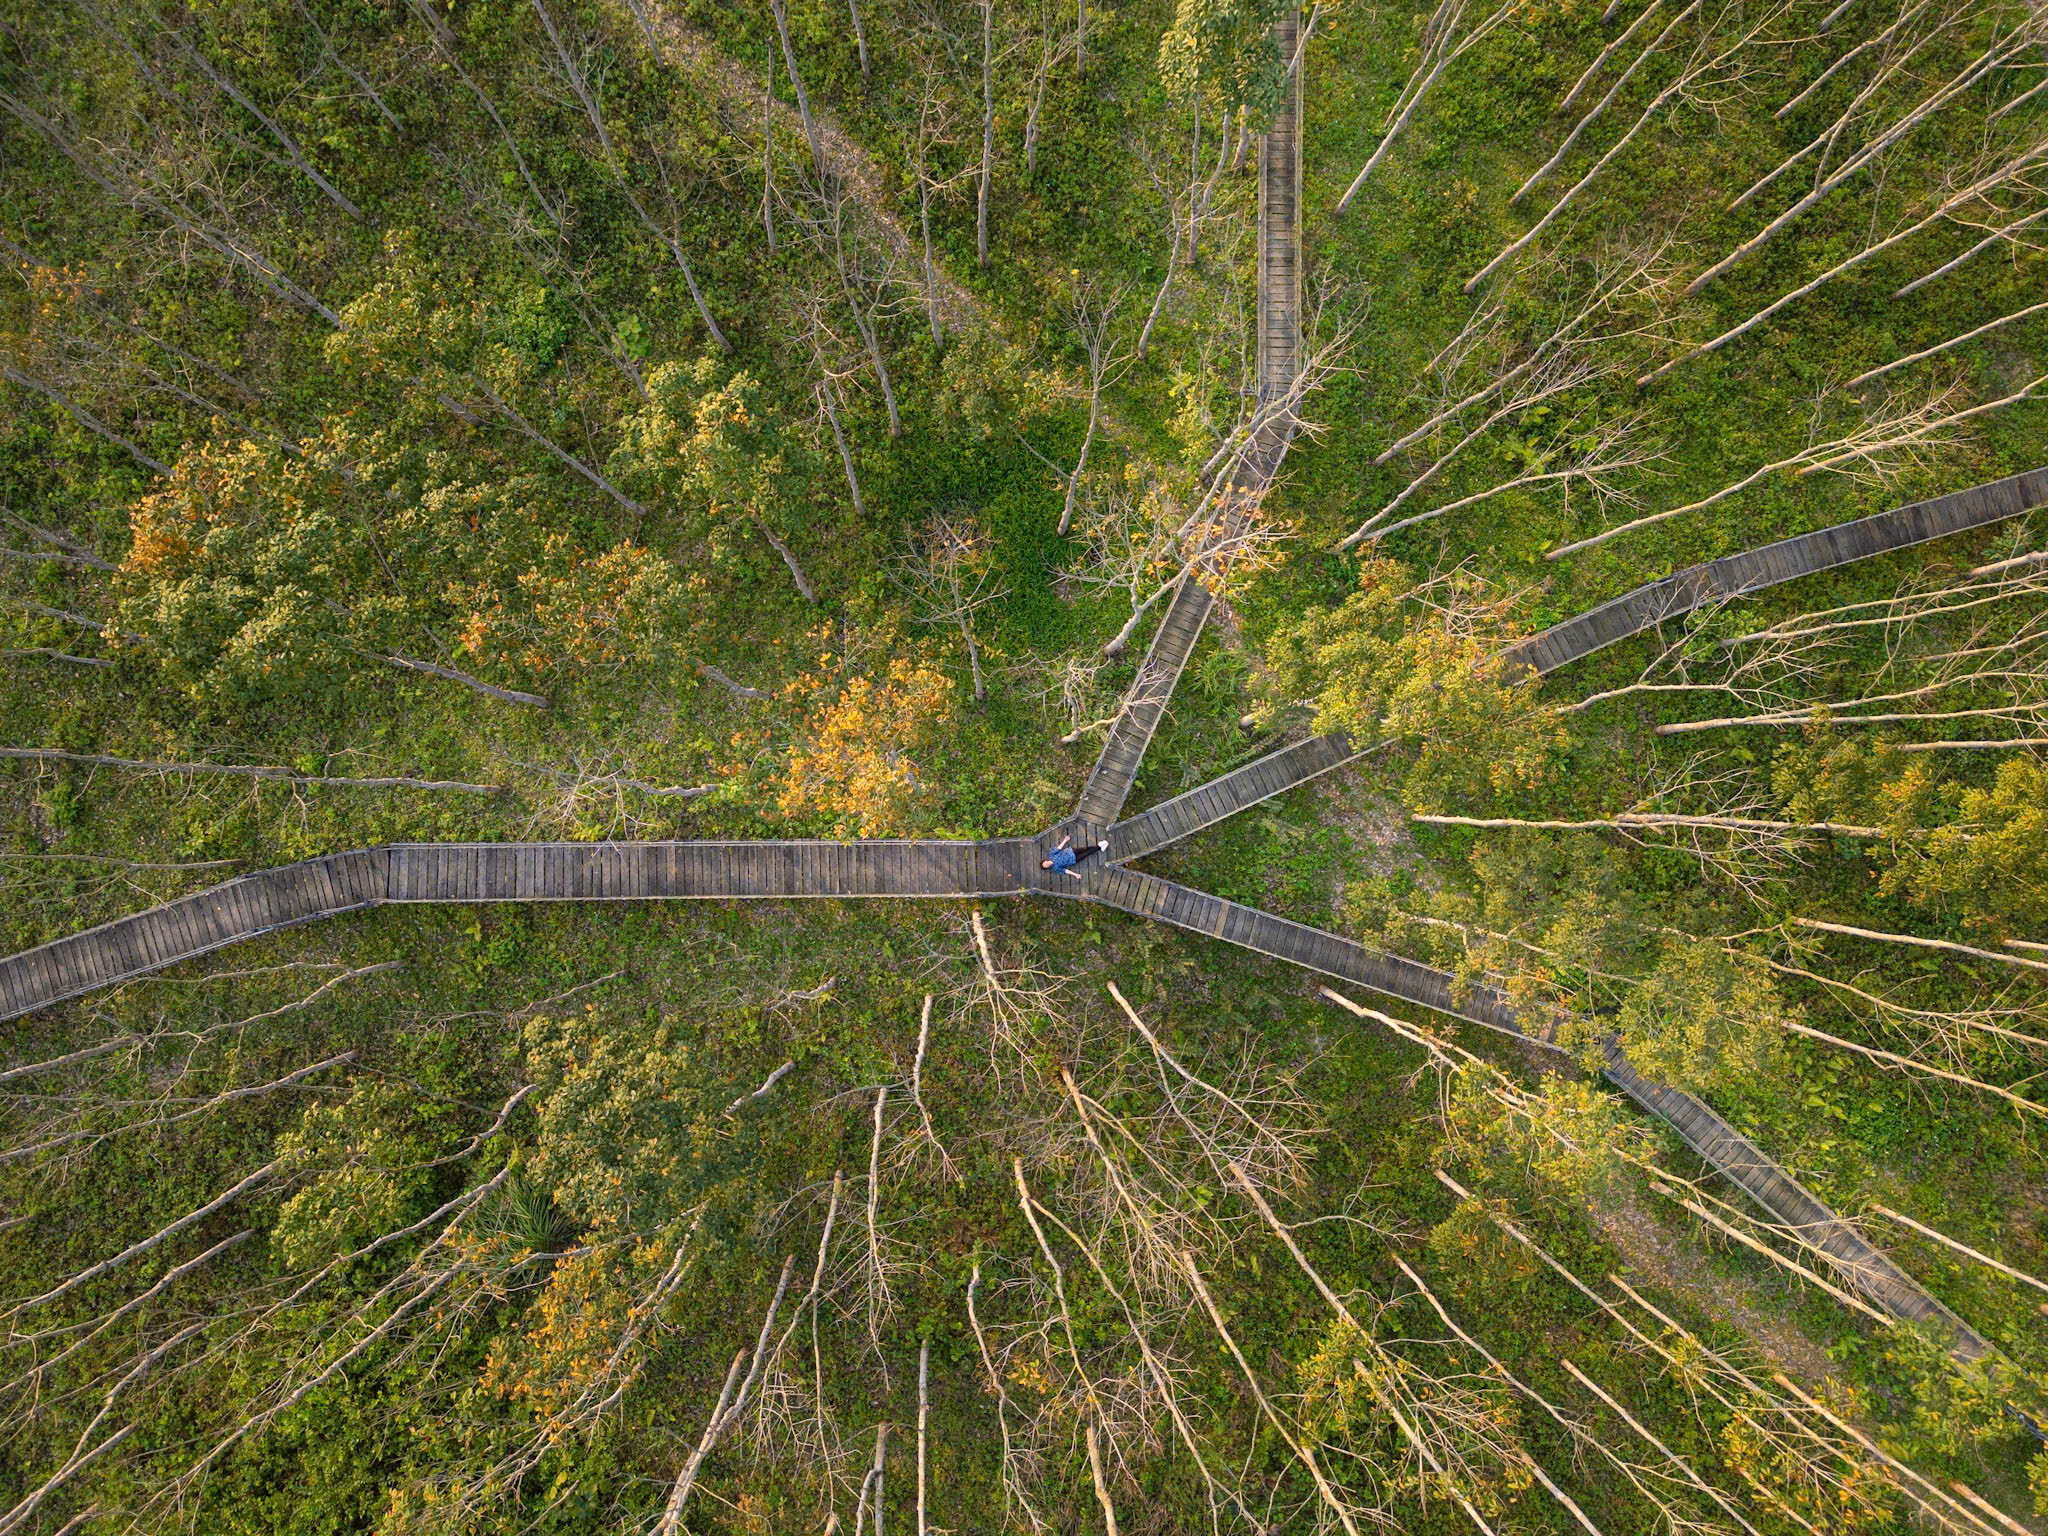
(1065, 856)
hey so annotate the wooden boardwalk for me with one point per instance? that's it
(1116, 769)
(1712, 1139)
(1786, 560)
(1279, 252)
(1743, 1163)
(1278, 365)
(478, 872)
(1220, 798)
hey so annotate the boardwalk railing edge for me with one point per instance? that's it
(1273, 773)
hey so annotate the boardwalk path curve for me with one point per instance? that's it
(353, 881)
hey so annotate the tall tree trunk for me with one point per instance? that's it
(84, 417)
(768, 155)
(860, 38)
(639, 10)
(573, 73)
(803, 100)
(446, 41)
(988, 129)
(826, 393)
(1605, 101)
(1159, 300)
(931, 270)
(973, 656)
(509, 695)
(285, 141)
(334, 55)
(864, 323)
(1038, 85)
(533, 434)
(703, 309)
(796, 572)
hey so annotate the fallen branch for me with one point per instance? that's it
(737, 689)
(1964, 1248)
(1302, 1451)
(56, 655)
(924, 1407)
(763, 1091)
(477, 684)
(269, 774)
(1765, 1249)
(672, 1513)
(1730, 823)
(1917, 942)
(1893, 1058)
(1109, 1524)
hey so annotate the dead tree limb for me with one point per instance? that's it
(1102, 1497)
(477, 684)
(155, 1239)
(1963, 1248)
(1916, 941)
(267, 774)
(803, 100)
(1942, 346)
(679, 1495)
(763, 1091)
(1426, 74)
(1303, 1453)
(1613, 91)
(988, 132)
(84, 417)
(924, 1404)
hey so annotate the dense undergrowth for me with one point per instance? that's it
(515, 451)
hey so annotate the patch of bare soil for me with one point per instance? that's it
(741, 97)
(1673, 1266)
(1376, 825)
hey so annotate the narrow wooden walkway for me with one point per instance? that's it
(476, 872)
(1221, 798)
(1279, 253)
(1742, 1162)
(1786, 560)
(1712, 1139)
(1109, 781)
(1278, 365)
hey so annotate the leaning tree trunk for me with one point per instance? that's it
(803, 100)
(988, 129)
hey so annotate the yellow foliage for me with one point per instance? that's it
(584, 611)
(856, 763)
(1385, 667)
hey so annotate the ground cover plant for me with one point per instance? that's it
(499, 421)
